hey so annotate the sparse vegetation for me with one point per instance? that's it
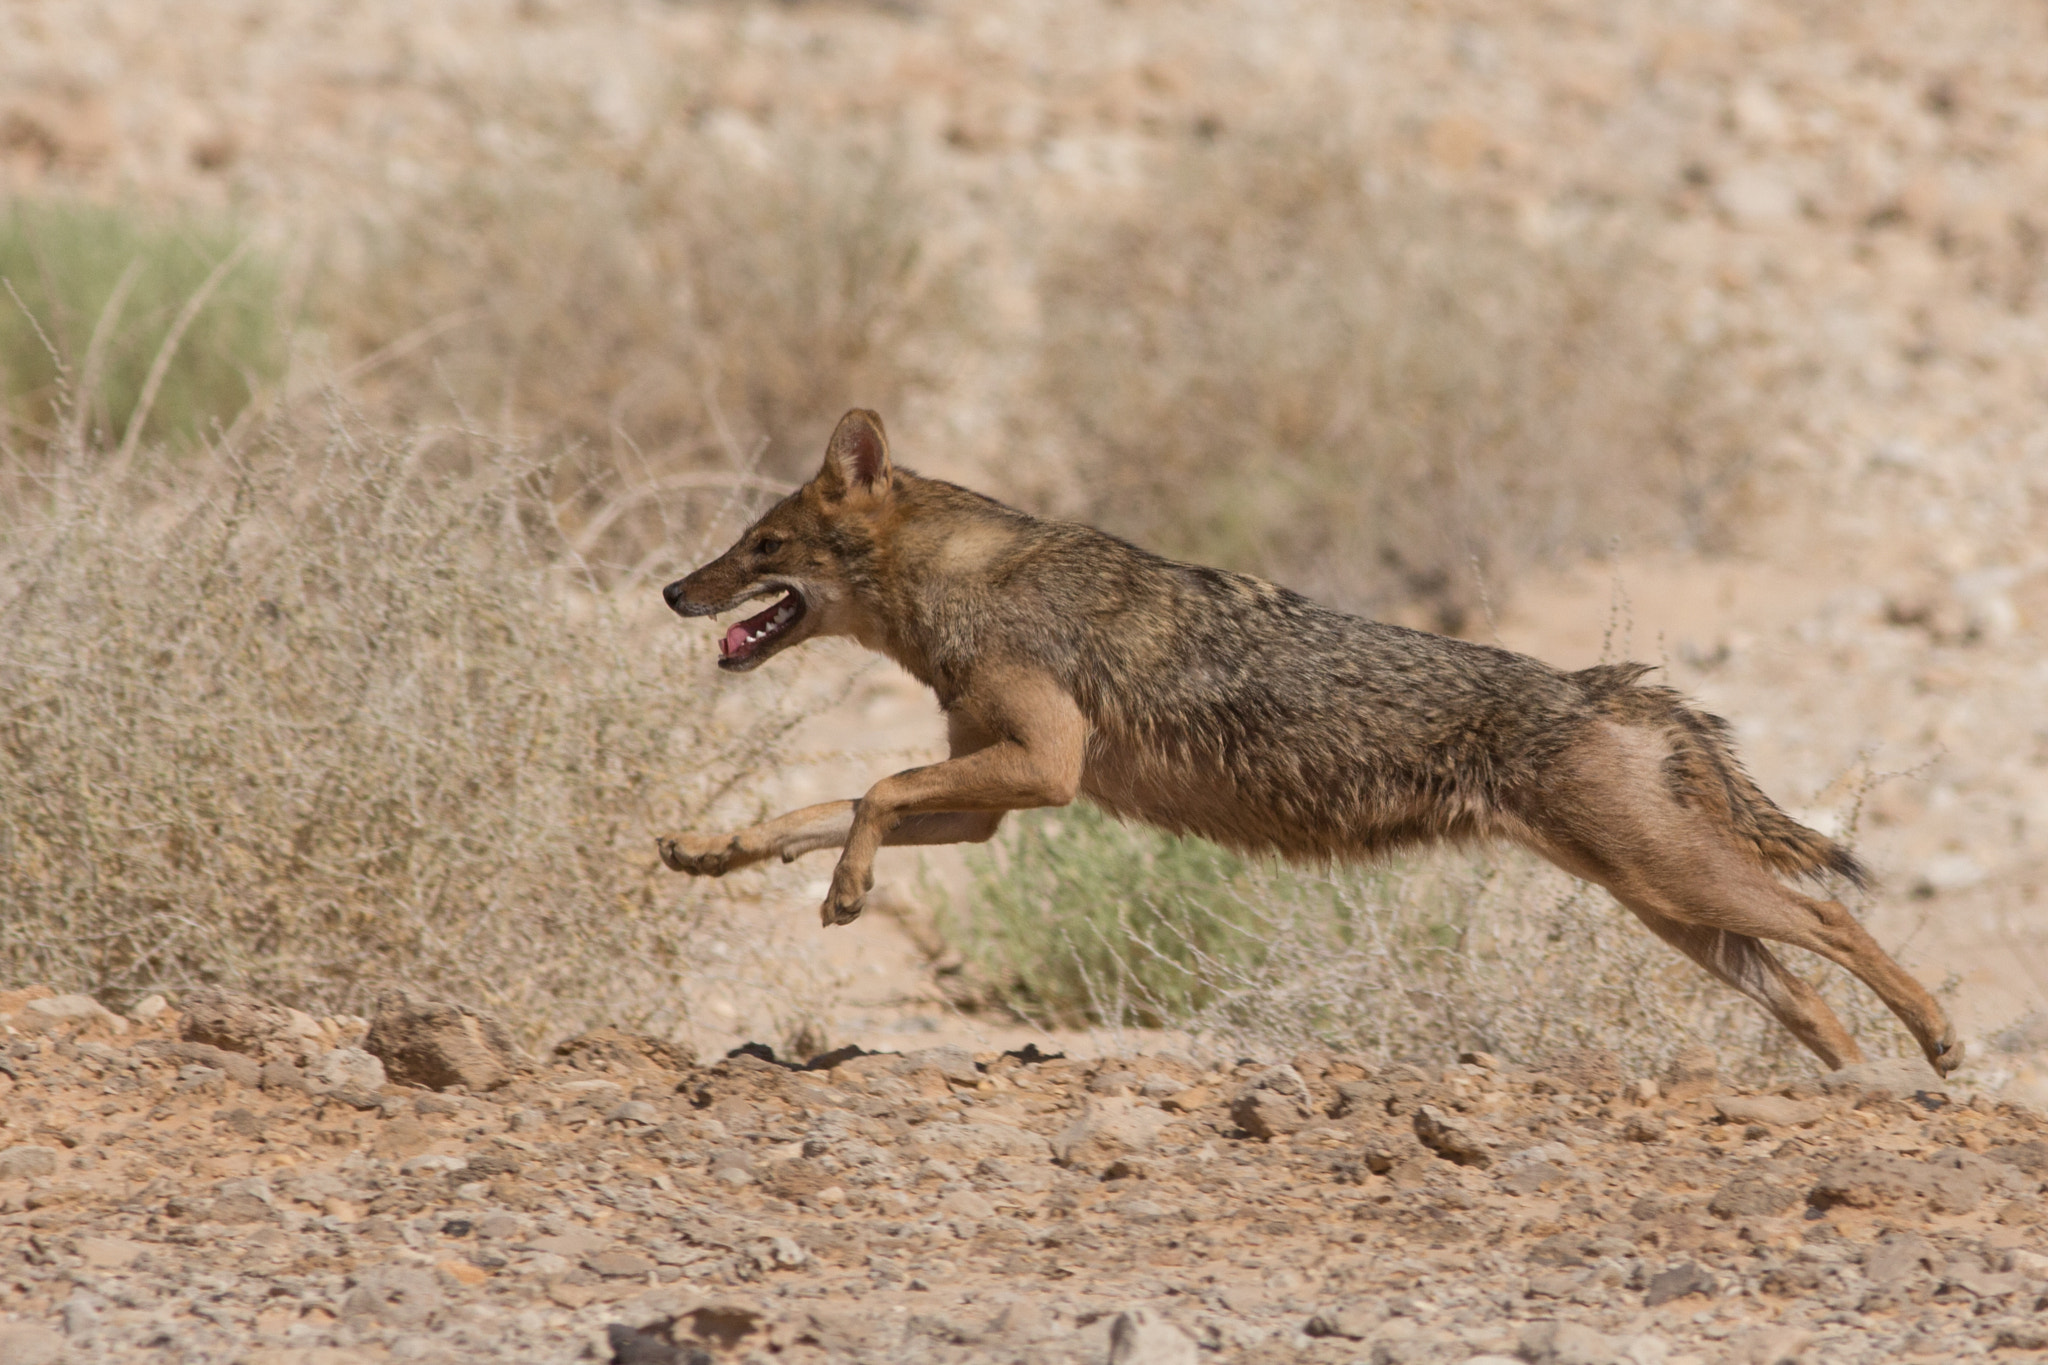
(1377, 391)
(105, 296)
(665, 318)
(336, 715)
(1076, 920)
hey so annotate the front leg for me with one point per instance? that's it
(790, 836)
(785, 837)
(1036, 738)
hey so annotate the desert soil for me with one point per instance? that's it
(239, 1183)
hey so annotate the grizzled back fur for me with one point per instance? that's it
(1226, 706)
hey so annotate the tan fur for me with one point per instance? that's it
(1071, 664)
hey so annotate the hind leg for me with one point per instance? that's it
(1611, 819)
(1711, 887)
(1826, 927)
(1751, 968)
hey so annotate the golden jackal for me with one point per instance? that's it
(1069, 663)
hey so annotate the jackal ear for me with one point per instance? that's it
(857, 457)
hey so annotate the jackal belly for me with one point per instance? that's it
(1296, 805)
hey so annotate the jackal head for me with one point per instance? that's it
(801, 553)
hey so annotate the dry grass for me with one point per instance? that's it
(1379, 392)
(1078, 920)
(665, 314)
(342, 713)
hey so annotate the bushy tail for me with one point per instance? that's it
(1703, 771)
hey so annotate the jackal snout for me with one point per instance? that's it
(724, 585)
(797, 554)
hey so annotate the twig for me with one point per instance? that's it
(165, 353)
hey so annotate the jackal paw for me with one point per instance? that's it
(1946, 1053)
(697, 854)
(847, 898)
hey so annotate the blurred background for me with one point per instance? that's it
(367, 367)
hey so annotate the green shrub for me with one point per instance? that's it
(98, 292)
(1074, 919)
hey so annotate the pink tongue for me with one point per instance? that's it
(735, 640)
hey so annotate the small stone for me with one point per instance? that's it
(1768, 1346)
(1752, 1196)
(1644, 1127)
(1772, 1111)
(1899, 1077)
(109, 1253)
(635, 1111)
(438, 1045)
(28, 1343)
(2024, 1336)
(231, 1022)
(1453, 1137)
(28, 1163)
(573, 1245)
(1141, 1337)
(1534, 1177)
(956, 1064)
(347, 1069)
(1870, 1180)
(619, 1264)
(1676, 1283)
(1112, 1127)
(69, 1009)
(1690, 1074)
(1273, 1103)
(395, 1296)
(976, 1141)
(1568, 1343)
(463, 1272)
(1351, 1322)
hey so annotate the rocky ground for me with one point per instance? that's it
(238, 1183)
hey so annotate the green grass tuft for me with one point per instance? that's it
(78, 271)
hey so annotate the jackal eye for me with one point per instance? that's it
(767, 545)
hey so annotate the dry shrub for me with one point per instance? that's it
(1278, 360)
(665, 311)
(338, 715)
(1078, 920)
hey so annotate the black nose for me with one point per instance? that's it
(673, 595)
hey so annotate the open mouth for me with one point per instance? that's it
(749, 640)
